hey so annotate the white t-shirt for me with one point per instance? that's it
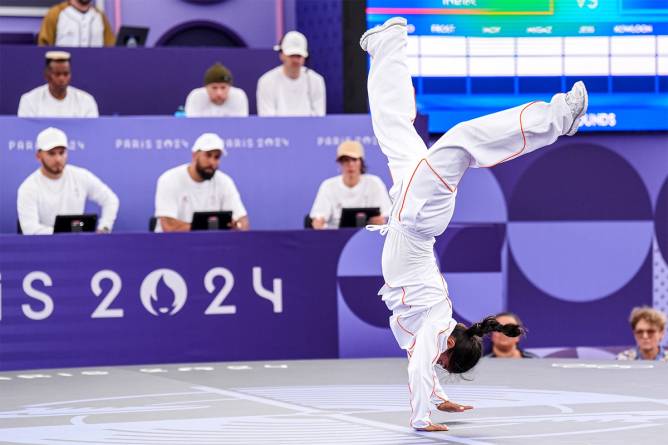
(76, 28)
(279, 95)
(198, 104)
(333, 195)
(39, 102)
(178, 196)
(41, 199)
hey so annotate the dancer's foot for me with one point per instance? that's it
(434, 427)
(577, 100)
(394, 21)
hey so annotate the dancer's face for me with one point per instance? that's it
(444, 358)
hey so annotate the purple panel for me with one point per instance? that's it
(304, 261)
(320, 21)
(554, 322)
(475, 248)
(477, 295)
(361, 296)
(255, 24)
(359, 339)
(661, 221)
(133, 81)
(580, 181)
(593, 258)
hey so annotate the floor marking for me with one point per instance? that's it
(342, 417)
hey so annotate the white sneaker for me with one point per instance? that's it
(394, 21)
(577, 100)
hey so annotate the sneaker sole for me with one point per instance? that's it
(576, 122)
(397, 21)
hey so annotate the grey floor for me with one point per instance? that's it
(334, 401)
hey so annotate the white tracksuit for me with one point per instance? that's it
(423, 198)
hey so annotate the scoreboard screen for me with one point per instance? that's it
(473, 57)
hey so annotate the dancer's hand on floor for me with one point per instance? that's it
(434, 427)
(452, 407)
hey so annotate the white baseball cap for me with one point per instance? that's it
(57, 55)
(293, 44)
(208, 142)
(51, 138)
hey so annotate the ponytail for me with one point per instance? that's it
(490, 324)
(466, 352)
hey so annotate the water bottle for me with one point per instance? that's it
(180, 112)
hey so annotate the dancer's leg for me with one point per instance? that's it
(500, 137)
(391, 97)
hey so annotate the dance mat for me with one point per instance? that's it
(541, 401)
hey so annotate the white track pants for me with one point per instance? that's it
(423, 195)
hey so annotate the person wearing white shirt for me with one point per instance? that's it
(60, 189)
(198, 187)
(426, 181)
(353, 188)
(217, 98)
(75, 23)
(291, 89)
(57, 98)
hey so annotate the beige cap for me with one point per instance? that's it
(57, 55)
(209, 142)
(352, 149)
(51, 138)
(293, 44)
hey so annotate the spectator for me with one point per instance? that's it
(217, 98)
(57, 98)
(75, 23)
(197, 187)
(508, 347)
(60, 189)
(353, 188)
(648, 326)
(291, 89)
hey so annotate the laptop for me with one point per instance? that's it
(131, 36)
(211, 220)
(357, 216)
(75, 223)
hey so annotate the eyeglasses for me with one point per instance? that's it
(642, 332)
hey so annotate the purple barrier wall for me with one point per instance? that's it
(89, 300)
(277, 163)
(132, 81)
(122, 299)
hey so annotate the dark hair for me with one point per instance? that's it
(50, 61)
(516, 317)
(466, 352)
